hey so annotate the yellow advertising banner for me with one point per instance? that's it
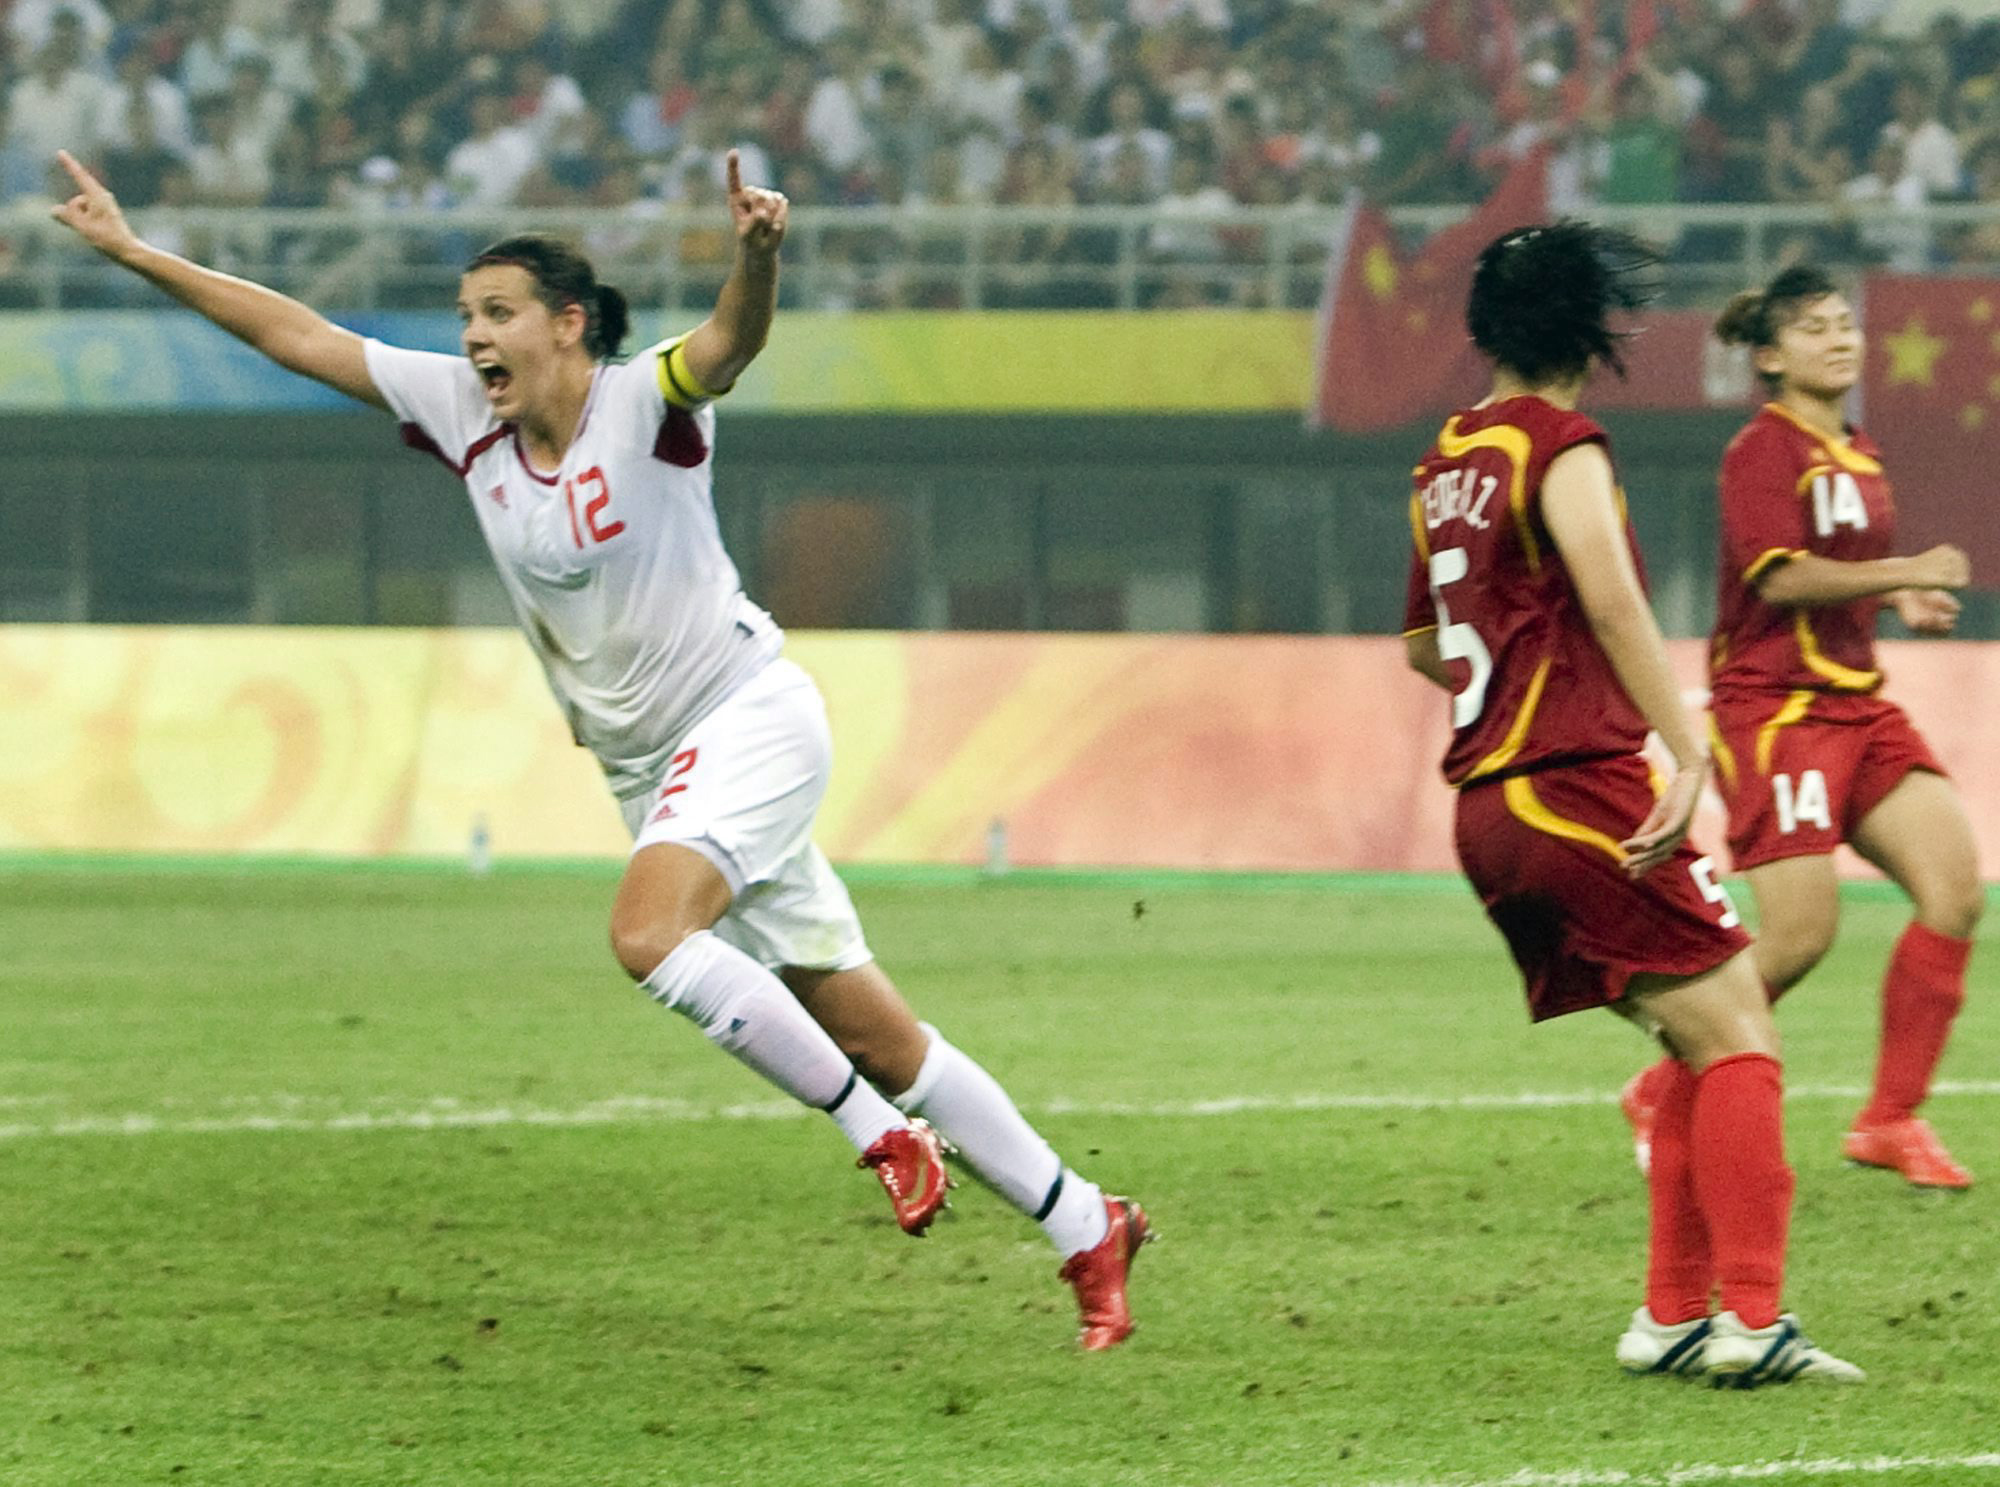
(1210, 752)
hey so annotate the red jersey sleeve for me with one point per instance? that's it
(1763, 514)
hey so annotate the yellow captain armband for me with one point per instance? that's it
(678, 383)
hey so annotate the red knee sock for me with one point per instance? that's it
(1679, 1271)
(1741, 1180)
(1921, 995)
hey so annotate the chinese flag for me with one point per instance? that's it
(1392, 341)
(1931, 398)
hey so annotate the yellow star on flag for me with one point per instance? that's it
(1980, 311)
(1971, 416)
(1913, 354)
(1379, 268)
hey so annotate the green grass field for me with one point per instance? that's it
(376, 1176)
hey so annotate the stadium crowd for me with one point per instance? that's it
(1183, 106)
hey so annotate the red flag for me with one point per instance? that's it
(1392, 342)
(1931, 398)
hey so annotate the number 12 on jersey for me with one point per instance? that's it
(592, 506)
(1459, 642)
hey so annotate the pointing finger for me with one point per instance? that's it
(77, 173)
(735, 170)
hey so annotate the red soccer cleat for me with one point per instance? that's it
(1098, 1276)
(910, 1162)
(1910, 1147)
(1642, 1109)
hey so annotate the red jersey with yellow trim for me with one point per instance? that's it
(1788, 490)
(1531, 687)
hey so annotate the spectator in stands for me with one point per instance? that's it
(1129, 136)
(654, 115)
(988, 94)
(735, 39)
(543, 101)
(1642, 145)
(135, 159)
(1195, 197)
(1429, 133)
(1886, 191)
(1930, 148)
(1978, 246)
(1087, 35)
(231, 164)
(1339, 143)
(143, 89)
(487, 169)
(1728, 137)
(214, 47)
(946, 38)
(31, 23)
(311, 43)
(705, 145)
(833, 121)
(1817, 50)
(58, 100)
(261, 110)
(904, 131)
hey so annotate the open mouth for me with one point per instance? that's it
(496, 377)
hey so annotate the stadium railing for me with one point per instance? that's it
(941, 257)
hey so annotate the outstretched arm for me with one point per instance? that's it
(720, 347)
(1807, 580)
(293, 335)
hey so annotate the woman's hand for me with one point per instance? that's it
(1941, 567)
(1667, 826)
(759, 215)
(1926, 611)
(93, 214)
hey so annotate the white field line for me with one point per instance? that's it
(302, 1113)
(1795, 1469)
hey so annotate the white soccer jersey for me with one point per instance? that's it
(614, 562)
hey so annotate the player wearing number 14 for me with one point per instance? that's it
(1808, 753)
(1526, 604)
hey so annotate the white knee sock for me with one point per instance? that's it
(973, 1112)
(746, 1010)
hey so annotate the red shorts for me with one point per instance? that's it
(1542, 852)
(1799, 770)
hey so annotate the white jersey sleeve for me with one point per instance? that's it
(654, 390)
(438, 396)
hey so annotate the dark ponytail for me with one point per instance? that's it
(613, 320)
(564, 277)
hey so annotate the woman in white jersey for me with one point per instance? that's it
(591, 480)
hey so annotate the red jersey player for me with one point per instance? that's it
(1526, 604)
(1808, 753)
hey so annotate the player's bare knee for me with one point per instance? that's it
(1954, 907)
(1786, 953)
(641, 944)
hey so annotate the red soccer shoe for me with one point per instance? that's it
(910, 1163)
(1910, 1147)
(1098, 1276)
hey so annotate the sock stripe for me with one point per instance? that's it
(1049, 1203)
(845, 1090)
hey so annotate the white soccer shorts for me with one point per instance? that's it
(742, 790)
